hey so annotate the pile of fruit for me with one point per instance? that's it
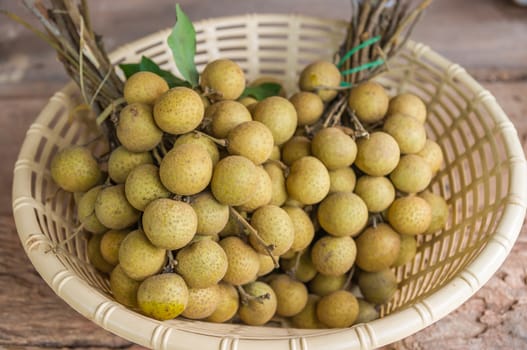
(224, 207)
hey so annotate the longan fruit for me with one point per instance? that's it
(334, 256)
(202, 264)
(279, 115)
(252, 140)
(413, 174)
(342, 180)
(74, 169)
(309, 107)
(278, 184)
(143, 185)
(408, 104)
(179, 110)
(243, 262)
(377, 248)
(338, 309)
(377, 155)
(225, 115)
(320, 74)
(407, 250)
(296, 148)
(139, 258)
(259, 310)
(262, 192)
(291, 295)
(204, 141)
(212, 215)
(308, 180)
(224, 77)
(409, 133)
(110, 243)
(378, 287)
(369, 101)
(439, 211)
(144, 87)
(124, 289)
(122, 162)
(169, 224)
(186, 169)
(163, 296)
(303, 228)
(266, 264)
(94, 255)
(334, 148)
(342, 214)
(274, 227)
(304, 271)
(367, 312)
(410, 215)
(376, 191)
(86, 211)
(137, 131)
(234, 180)
(113, 209)
(433, 154)
(201, 302)
(307, 318)
(323, 285)
(227, 305)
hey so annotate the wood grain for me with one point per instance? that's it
(487, 39)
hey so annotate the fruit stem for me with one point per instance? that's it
(360, 131)
(172, 262)
(252, 231)
(277, 162)
(292, 271)
(220, 142)
(245, 297)
(157, 156)
(348, 279)
(335, 113)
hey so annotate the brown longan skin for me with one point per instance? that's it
(376, 191)
(201, 302)
(144, 87)
(278, 183)
(409, 133)
(291, 295)
(342, 214)
(95, 257)
(334, 148)
(342, 180)
(179, 111)
(252, 140)
(212, 215)
(204, 141)
(224, 77)
(377, 248)
(338, 309)
(227, 306)
(262, 192)
(75, 169)
(413, 174)
(334, 256)
(243, 262)
(378, 287)
(137, 130)
(307, 318)
(296, 148)
(110, 243)
(410, 215)
(225, 116)
(308, 181)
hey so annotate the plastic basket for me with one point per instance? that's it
(483, 181)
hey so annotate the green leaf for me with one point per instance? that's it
(147, 65)
(182, 42)
(262, 91)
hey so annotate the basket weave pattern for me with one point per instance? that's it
(482, 181)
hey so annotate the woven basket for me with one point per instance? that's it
(483, 181)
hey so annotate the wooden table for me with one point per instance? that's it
(488, 37)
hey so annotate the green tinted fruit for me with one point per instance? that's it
(243, 262)
(139, 258)
(342, 180)
(378, 287)
(163, 297)
(291, 295)
(342, 214)
(75, 169)
(408, 104)
(234, 180)
(110, 243)
(143, 185)
(259, 311)
(137, 131)
(122, 162)
(113, 210)
(204, 141)
(377, 155)
(334, 148)
(309, 107)
(308, 181)
(201, 302)
(124, 289)
(296, 148)
(409, 133)
(95, 256)
(376, 191)
(334, 256)
(144, 87)
(227, 305)
(179, 110)
(212, 215)
(224, 77)
(319, 77)
(369, 101)
(413, 174)
(323, 285)
(86, 211)
(338, 309)
(252, 140)
(377, 248)
(225, 116)
(279, 115)
(410, 215)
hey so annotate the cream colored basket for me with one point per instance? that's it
(483, 181)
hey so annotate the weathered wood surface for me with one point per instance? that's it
(487, 37)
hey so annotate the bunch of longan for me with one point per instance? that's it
(220, 207)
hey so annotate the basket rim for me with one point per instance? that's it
(151, 333)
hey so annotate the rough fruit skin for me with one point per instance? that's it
(412, 175)
(377, 155)
(143, 185)
(376, 191)
(378, 287)
(320, 73)
(204, 141)
(224, 77)
(113, 210)
(377, 248)
(279, 115)
(262, 194)
(75, 169)
(409, 104)
(274, 227)
(308, 181)
(169, 224)
(370, 102)
(433, 154)
(342, 180)
(334, 256)
(409, 133)
(305, 271)
(212, 215)
(234, 180)
(439, 211)
(334, 148)
(303, 228)
(163, 296)
(367, 312)
(86, 211)
(202, 264)
(291, 295)
(266, 264)
(95, 256)
(139, 258)
(186, 169)
(179, 111)
(338, 309)
(144, 87)
(309, 107)
(228, 304)
(407, 250)
(342, 214)
(122, 162)
(110, 243)
(257, 313)
(124, 289)
(243, 261)
(279, 191)
(323, 285)
(137, 130)
(225, 116)
(410, 215)
(201, 302)
(296, 148)
(252, 140)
